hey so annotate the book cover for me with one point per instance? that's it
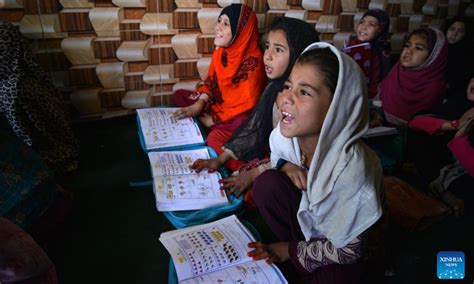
(361, 53)
(217, 253)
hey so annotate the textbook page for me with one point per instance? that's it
(177, 187)
(258, 272)
(160, 129)
(175, 162)
(217, 250)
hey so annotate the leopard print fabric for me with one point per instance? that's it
(32, 105)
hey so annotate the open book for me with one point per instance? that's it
(380, 131)
(361, 54)
(217, 253)
(177, 187)
(158, 129)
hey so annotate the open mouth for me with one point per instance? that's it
(268, 69)
(287, 117)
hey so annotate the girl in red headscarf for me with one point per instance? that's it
(417, 81)
(236, 79)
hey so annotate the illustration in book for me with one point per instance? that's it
(161, 130)
(217, 253)
(177, 187)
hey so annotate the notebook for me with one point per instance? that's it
(361, 53)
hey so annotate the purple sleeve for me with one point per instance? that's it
(308, 256)
(464, 152)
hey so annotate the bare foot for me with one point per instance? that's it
(454, 202)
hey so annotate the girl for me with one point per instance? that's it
(460, 56)
(373, 29)
(417, 81)
(287, 38)
(235, 79)
(436, 129)
(324, 199)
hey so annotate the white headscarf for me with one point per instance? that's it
(345, 177)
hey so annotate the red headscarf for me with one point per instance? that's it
(236, 76)
(405, 92)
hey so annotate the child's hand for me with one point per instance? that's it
(211, 165)
(466, 117)
(297, 175)
(375, 120)
(238, 184)
(190, 111)
(275, 252)
(464, 129)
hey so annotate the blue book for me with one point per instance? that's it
(185, 197)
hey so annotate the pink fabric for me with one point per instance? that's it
(427, 124)
(21, 258)
(405, 92)
(464, 152)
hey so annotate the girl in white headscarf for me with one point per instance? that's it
(325, 192)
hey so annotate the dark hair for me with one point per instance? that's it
(298, 33)
(449, 22)
(326, 62)
(428, 34)
(382, 18)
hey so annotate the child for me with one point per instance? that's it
(453, 118)
(460, 55)
(287, 38)
(417, 81)
(373, 29)
(236, 78)
(326, 196)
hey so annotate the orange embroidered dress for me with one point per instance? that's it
(236, 79)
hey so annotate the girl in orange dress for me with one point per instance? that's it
(235, 80)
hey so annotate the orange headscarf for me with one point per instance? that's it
(236, 76)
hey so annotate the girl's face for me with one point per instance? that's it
(470, 90)
(303, 103)
(415, 52)
(277, 54)
(456, 32)
(222, 32)
(368, 28)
